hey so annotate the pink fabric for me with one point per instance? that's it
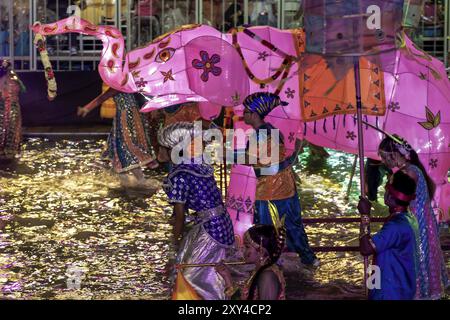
(175, 68)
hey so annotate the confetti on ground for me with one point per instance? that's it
(62, 214)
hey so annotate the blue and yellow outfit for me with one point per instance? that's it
(396, 256)
(278, 184)
(279, 188)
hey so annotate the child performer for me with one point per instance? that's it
(191, 185)
(278, 186)
(263, 245)
(395, 246)
(432, 272)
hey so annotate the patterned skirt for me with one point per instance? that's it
(432, 277)
(432, 271)
(10, 129)
(129, 144)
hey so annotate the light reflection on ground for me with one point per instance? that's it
(60, 209)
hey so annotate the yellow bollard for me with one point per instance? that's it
(108, 108)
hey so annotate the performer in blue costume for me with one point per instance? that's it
(191, 185)
(432, 279)
(395, 246)
(277, 184)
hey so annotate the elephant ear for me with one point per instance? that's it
(215, 71)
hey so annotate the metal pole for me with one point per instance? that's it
(33, 18)
(11, 32)
(282, 13)
(279, 19)
(118, 15)
(352, 174)
(360, 145)
(188, 2)
(225, 178)
(139, 22)
(223, 16)
(221, 178)
(129, 33)
(1, 21)
(199, 11)
(353, 248)
(340, 220)
(212, 13)
(235, 16)
(199, 265)
(245, 11)
(69, 39)
(225, 162)
(163, 16)
(58, 65)
(435, 35)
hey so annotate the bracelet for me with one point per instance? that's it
(365, 218)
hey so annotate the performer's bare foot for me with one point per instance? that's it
(149, 184)
(126, 180)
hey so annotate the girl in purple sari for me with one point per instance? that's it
(432, 273)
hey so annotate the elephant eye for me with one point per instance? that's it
(165, 55)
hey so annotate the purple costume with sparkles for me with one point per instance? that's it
(211, 238)
(10, 117)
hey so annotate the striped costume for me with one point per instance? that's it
(129, 145)
(10, 118)
(432, 273)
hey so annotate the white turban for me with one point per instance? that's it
(175, 133)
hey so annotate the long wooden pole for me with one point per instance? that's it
(226, 123)
(352, 174)
(360, 149)
(225, 163)
(221, 178)
(200, 265)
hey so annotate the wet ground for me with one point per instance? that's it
(63, 217)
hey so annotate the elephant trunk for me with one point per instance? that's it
(112, 69)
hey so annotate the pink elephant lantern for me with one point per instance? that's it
(417, 97)
(174, 67)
